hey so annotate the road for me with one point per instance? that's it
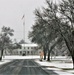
(24, 67)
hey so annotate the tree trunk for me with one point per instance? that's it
(73, 61)
(70, 50)
(1, 54)
(44, 55)
(48, 56)
(0, 58)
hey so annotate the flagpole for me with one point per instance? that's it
(23, 27)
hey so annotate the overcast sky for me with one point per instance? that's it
(11, 12)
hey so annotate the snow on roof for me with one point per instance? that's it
(30, 45)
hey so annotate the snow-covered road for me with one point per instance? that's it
(57, 64)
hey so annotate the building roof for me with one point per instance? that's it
(29, 45)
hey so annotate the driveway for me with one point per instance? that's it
(24, 67)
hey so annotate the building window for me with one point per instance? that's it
(35, 47)
(20, 48)
(27, 52)
(20, 52)
(24, 47)
(31, 52)
(28, 47)
(31, 47)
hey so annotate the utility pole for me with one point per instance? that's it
(23, 18)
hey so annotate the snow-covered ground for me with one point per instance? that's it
(4, 61)
(20, 57)
(58, 64)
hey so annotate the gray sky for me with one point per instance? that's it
(11, 12)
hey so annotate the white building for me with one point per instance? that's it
(27, 49)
